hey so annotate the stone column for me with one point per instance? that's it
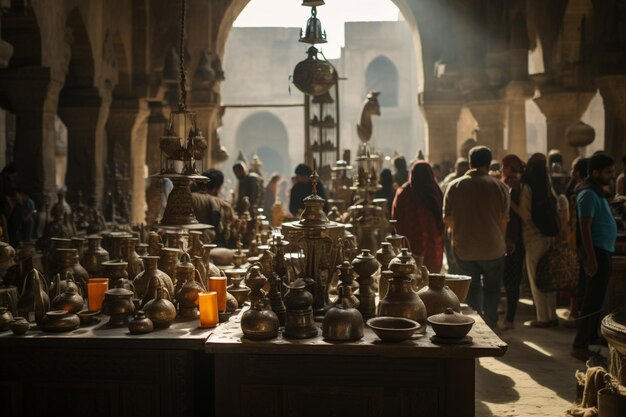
(34, 96)
(516, 93)
(156, 125)
(125, 153)
(491, 118)
(441, 130)
(84, 111)
(562, 109)
(613, 91)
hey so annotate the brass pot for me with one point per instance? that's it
(212, 269)
(450, 324)
(60, 285)
(19, 325)
(167, 262)
(140, 324)
(437, 296)
(237, 288)
(150, 273)
(68, 261)
(116, 271)
(402, 301)
(187, 297)
(57, 321)
(343, 324)
(69, 301)
(5, 319)
(94, 256)
(160, 310)
(130, 255)
(259, 323)
(118, 304)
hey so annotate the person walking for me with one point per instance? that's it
(598, 232)
(476, 209)
(540, 226)
(512, 169)
(417, 207)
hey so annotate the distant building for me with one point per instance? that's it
(377, 57)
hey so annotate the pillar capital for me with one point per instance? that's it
(562, 109)
(563, 106)
(489, 113)
(613, 91)
(518, 90)
(441, 118)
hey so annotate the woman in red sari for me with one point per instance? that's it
(417, 208)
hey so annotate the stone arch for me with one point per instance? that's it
(265, 134)
(20, 28)
(406, 7)
(382, 75)
(124, 85)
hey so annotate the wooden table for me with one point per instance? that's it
(101, 371)
(311, 377)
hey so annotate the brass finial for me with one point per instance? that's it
(314, 178)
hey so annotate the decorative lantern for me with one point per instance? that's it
(314, 76)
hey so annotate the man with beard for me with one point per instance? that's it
(598, 232)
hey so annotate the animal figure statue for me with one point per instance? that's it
(370, 107)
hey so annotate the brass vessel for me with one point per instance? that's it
(60, 285)
(70, 301)
(151, 272)
(160, 310)
(187, 297)
(34, 301)
(237, 288)
(365, 265)
(319, 239)
(5, 319)
(57, 321)
(94, 256)
(68, 261)
(167, 262)
(140, 324)
(343, 322)
(130, 255)
(259, 322)
(437, 296)
(401, 300)
(19, 325)
(118, 304)
(299, 322)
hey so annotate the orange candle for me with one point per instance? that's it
(96, 287)
(218, 284)
(207, 302)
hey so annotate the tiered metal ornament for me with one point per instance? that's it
(366, 217)
(183, 147)
(319, 239)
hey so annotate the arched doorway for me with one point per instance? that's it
(265, 134)
(382, 75)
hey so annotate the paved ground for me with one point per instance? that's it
(534, 378)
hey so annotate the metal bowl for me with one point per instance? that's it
(393, 329)
(459, 284)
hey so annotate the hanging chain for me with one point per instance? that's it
(182, 106)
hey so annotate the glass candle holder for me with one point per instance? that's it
(96, 287)
(207, 302)
(218, 284)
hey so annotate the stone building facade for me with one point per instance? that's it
(101, 66)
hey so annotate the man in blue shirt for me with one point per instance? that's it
(598, 232)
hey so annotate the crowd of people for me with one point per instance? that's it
(497, 221)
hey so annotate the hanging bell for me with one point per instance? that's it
(314, 33)
(314, 76)
(312, 3)
(205, 72)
